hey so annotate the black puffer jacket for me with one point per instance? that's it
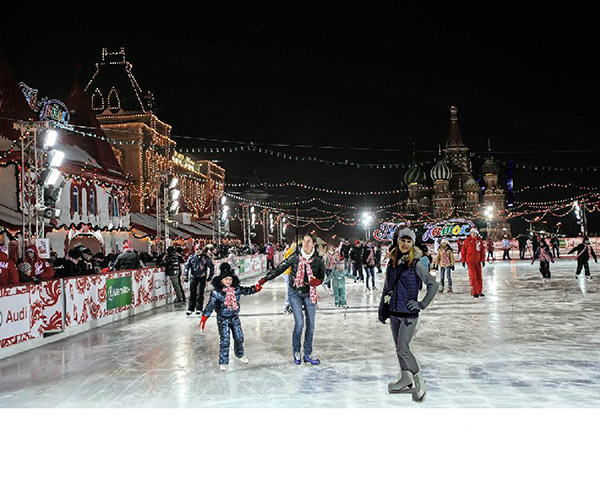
(317, 265)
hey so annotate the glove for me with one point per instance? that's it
(452, 267)
(483, 264)
(186, 279)
(414, 305)
(382, 321)
(257, 287)
(203, 322)
(314, 282)
(262, 281)
(464, 265)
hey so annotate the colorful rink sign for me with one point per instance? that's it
(119, 292)
(385, 232)
(452, 229)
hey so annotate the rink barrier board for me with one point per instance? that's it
(69, 306)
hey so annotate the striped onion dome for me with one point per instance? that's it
(441, 171)
(414, 175)
(471, 185)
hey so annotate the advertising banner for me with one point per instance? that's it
(14, 315)
(119, 292)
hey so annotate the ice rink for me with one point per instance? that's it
(523, 345)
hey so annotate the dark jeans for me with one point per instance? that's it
(357, 270)
(197, 286)
(304, 311)
(506, 255)
(370, 272)
(522, 253)
(545, 269)
(327, 272)
(583, 264)
(556, 251)
(235, 326)
(270, 264)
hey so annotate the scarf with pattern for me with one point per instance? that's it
(230, 300)
(305, 268)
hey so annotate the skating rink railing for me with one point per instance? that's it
(32, 314)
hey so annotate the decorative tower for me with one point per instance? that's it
(456, 154)
(442, 198)
(494, 198)
(141, 142)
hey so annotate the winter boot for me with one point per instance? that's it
(312, 361)
(403, 385)
(449, 289)
(420, 388)
(223, 367)
(297, 360)
(244, 359)
(442, 290)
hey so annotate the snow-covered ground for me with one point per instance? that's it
(523, 345)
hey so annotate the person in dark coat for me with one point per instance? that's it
(202, 270)
(172, 262)
(584, 251)
(225, 299)
(307, 273)
(399, 302)
(356, 255)
(129, 259)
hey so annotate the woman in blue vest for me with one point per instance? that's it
(404, 276)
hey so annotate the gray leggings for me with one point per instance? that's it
(403, 330)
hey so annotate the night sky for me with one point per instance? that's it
(525, 79)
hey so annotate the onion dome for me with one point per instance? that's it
(441, 171)
(471, 185)
(490, 166)
(414, 175)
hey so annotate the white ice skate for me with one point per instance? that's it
(403, 385)
(420, 388)
(223, 368)
(244, 359)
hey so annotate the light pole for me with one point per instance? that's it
(489, 215)
(366, 220)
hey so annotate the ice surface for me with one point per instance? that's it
(523, 345)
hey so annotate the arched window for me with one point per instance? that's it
(92, 202)
(97, 100)
(114, 104)
(115, 206)
(74, 199)
(84, 200)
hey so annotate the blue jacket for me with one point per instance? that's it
(198, 265)
(217, 299)
(404, 283)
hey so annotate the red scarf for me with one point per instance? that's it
(305, 268)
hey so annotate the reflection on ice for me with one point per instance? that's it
(524, 345)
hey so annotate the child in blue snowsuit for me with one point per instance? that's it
(338, 278)
(225, 299)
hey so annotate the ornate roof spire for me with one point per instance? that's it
(454, 136)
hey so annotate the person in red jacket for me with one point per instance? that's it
(473, 254)
(9, 275)
(40, 268)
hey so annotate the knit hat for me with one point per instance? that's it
(406, 232)
(225, 271)
(127, 245)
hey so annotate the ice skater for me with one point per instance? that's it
(337, 277)
(473, 255)
(225, 299)
(202, 269)
(490, 250)
(544, 255)
(584, 250)
(399, 302)
(308, 272)
(369, 263)
(444, 260)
